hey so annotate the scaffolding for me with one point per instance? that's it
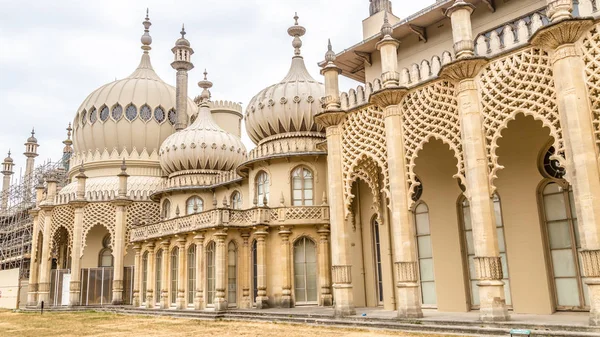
(16, 224)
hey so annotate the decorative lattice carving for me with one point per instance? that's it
(241, 217)
(141, 212)
(101, 213)
(590, 47)
(431, 112)
(364, 153)
(62, 216)
(519, 83)
(294, 213)
(41, 221)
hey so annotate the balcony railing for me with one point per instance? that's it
(224, 217)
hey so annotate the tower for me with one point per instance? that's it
(68, 149)
(31, 147)
(182, 64)
(377, 6)
(7, 172)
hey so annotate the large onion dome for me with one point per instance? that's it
(289, 105)
(202, 147)
(135, 112)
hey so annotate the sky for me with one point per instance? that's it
(54, 53)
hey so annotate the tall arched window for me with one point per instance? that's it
(144, 276)
(166, 209)
(254, 271)
(105, 257)
(232, 273)
(377, 255)
(191, 273)
(236, 200)
(158, 275)
(425, 255)
(210, 272)
(470, 249)
(174, 274)
(560, 219)
(302, 187)
(194, 205)
(262, 187)
(305, 271)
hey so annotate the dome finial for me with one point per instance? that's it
(205, 84)
(329, 55)
(386, 28)
(296, 31)
(146, 38)
(183, 31)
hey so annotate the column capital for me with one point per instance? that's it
(121, 202)
(181, 240)
(562, 32)
(199, 238)
(137, 247)
(459, 5)
(330, 118)
(221, 234)
(165, 243)
(388, 96)
(261, 232)
(462, 69)
(559, 10)
(78, 203)
(285, 232)
(323, 230)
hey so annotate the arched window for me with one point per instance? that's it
(144, 276)
(105, 258)
(236, 200)
(194, 205)
(159, 114)
(131, 112)
(191, 274)
(145, 113)
(158, 275)
(470, 249)
(302, 187)
(172, 116)
(104, 112)
(560, 220)
(93, 115)
(117, 112)
(232, 273)
(305, 271)
(83, 117)
(377, 255)
(425, 255)
(166, 209)
(210, 272)
(262, 188)
(174, 274)
(254, 270)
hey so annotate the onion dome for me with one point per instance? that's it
(7, 165)
(32, 139)
(202, 147)
(8, 159)
(137, 112)
(182, 41)
(288, 106)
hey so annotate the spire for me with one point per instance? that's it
(329, 55)
(182, 31)
(146, 38)
(296, 31)
(68, 142)
(205, 85)
(386, 28)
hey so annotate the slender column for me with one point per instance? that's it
(326, 298)
(30, 152)
(75, 286)
(121, 204)
(582, 165)
(46, 263)
(7, 172)
(35, 263)
(261, 266)
(331, 119)
(246, 302)
(181, 304)
(286, 266)
(221, 264)
(150, 277)
(198, 298)
(182, 63)
(137, 275)
(165, 284)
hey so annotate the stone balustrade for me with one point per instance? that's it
(224, 217)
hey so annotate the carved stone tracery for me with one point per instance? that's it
(62, 216)
(590, 48)
(102, 213)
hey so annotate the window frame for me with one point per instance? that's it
(302, 169)
(263, 179)
(194, 198)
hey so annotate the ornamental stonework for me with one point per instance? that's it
(590, 49)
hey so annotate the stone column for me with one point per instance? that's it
(326, 299)
(261, 266)
(150, 277)
(582, 165)
(182, 63)
(198, 298)
(78, 207)
(220, 266)
(181, 303)
(121, 203)
(245, 274)
(331, 118)
(7, 172)
(286, 254)
(46, 263)
(137, 275)
(34, 266)
(165, 284)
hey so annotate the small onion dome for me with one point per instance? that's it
(8, 159)
(290, 104)
(182, 41)
(202, 145)
(32, 139)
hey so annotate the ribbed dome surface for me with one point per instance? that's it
(202, 146)
(135, 112)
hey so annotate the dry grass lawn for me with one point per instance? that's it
(107, 324)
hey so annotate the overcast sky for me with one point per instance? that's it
(54, 53)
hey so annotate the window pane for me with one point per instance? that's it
(297, 194)
(498, 213)
(474, 293)
(555, 207)
(500, 235)
(560, 235)
(562, 261)
(567, 292)
(467, 217)
(507, 292)
(297, 184)
(469, 237)
(424, 243)
(504, 265)
(428, 290)
(426, 269)
(422, 221)
(308, 194)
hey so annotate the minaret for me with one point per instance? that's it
(68, 149)
(7, 172)
(182, 64)
(30, 152)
